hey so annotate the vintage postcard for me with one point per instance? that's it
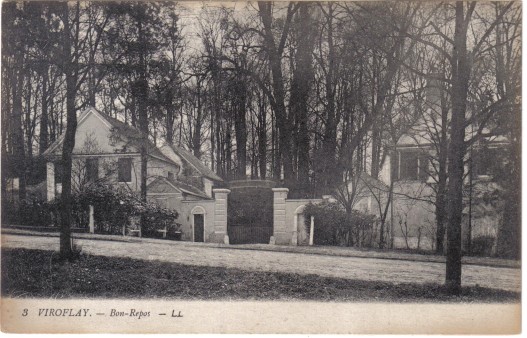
(261, 167)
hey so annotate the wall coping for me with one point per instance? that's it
(224, 191)
(198, 201)
(280, 190)
(162, 193)
(304, 200)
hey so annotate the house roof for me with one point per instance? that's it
(133, 135)
(419, 137)
(371, 182)
(163, 184)
(195, 162)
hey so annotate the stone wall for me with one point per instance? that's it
(188, 209)
(288, 219)
(220, 216)
(295, 220)
(214, 213)
(281, 232)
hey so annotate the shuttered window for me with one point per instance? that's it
(125, 169)
(92, 169)
(410, 165)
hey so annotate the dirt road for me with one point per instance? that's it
(395, 271)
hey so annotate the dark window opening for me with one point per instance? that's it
(125, 169)
(410, 165)
(92, 169)
(485, 161)
(170, 175)
(59, 169)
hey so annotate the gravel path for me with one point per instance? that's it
(395, 271)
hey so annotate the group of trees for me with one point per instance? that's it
(308, 93)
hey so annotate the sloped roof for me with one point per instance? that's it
(60, 139)
(195, 162)
(165, 185)
(188, 189)
(133, 135)
(371, 182)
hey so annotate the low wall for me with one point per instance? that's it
(288, 218)
(214, 214)
(295, 217)
(186, 218)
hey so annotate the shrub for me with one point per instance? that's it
(113, 210)
(482, 246)
(333, 226)
(156, 218)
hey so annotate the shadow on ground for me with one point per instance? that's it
(39, 273)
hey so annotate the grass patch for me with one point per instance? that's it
(38, 273)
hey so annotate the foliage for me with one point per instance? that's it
(114, 208)
(250, 207)
(333, 226)
(482, 246)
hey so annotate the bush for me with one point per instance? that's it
(28, 212)
(333, 226)
(113, 210)
(482, 246)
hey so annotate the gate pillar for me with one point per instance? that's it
(220, 216)
(50, 181)
(281, 233)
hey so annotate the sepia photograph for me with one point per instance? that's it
(261, 167)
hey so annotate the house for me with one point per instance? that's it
(412, 166)
(108, 150)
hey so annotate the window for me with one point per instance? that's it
(92, 169)
(410, 165)
(170, 175)
(486, 161)
(125, 169)
(59, 169)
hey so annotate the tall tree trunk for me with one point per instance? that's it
(240, 126)
(142, 97)
(219, 163)
(170, 115)
(300, 86)
(376, 144)
(440, 203)
(262, 138)
(329, 143)
(460, 80)
(6, 125)
(28, 120)
(69, 139)
(196, 137)
(274, 54)
(44, 136)
(18, 132)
